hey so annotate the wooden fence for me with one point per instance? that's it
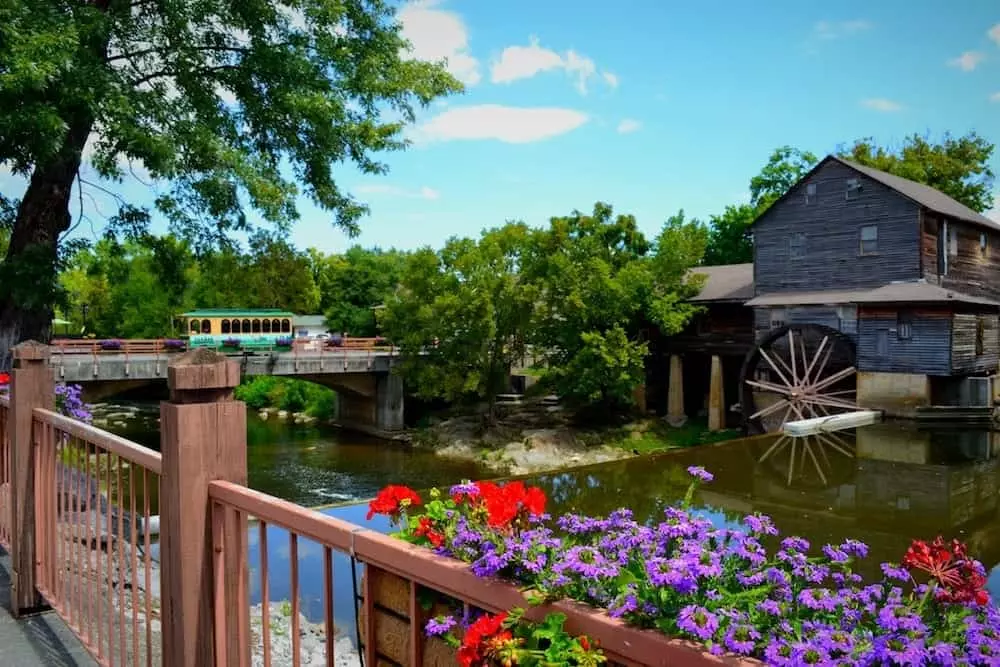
(79, 508)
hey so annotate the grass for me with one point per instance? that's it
(655, 435)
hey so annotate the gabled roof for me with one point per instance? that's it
(923, 195)
(727, 282)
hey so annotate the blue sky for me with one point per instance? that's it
(657, 105)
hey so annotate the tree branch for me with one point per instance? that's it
(168, 72)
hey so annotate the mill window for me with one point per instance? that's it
(797, 246)
(952, 241)
(904, 326)
(777, 318)
(869, 239)
(980, 336)
(984, 242)
(810, 193)
(853, 188)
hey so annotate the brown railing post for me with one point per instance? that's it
(203, 439)
(32, 386)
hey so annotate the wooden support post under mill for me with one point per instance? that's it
(716, 397)
(675, 392)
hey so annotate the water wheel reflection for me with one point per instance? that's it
(819, 460)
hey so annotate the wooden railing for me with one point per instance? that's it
(86, 509)
(64, 346)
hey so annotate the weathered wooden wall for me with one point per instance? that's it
(841, 318)
(831, 226)
(964, 359)
(723, 328)
(972, 270)
(927, 352)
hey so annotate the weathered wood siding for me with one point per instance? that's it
(972, 270)
(930, 253)
(927, 351)
(831, 225)
(840, 318)
(964, 359)
(722, 328)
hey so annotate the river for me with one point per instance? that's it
(885, 485)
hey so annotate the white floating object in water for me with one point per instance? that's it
(831, 423)
(154, 525)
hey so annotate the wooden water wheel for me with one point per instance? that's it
(812, 461)
(799, 371)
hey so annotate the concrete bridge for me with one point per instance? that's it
(370, 397)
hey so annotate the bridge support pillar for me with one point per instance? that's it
(381, 414)
(203, 439)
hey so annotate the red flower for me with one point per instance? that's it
(484, 638)
(426, 529)
(4, 378)
(392, 500)
(505, 504)
(959, 578)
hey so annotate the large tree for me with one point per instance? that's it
(461, 316)
(235, 103)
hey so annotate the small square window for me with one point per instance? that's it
(810, 193)
(869, 239)
(777, 318)
(797, 246)
(984, 242)
(904, 326)
(853, 188)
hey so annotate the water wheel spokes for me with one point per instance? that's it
(805, 459)
(798, 372)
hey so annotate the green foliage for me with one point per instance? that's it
(468, 310)
(729, 238)
(230, 106)
(353, 283)
(604, 369)
(267, 391)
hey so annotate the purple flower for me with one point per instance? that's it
(698, 621)
(441, 625)
(699, 473)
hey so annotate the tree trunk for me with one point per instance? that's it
(29, 272)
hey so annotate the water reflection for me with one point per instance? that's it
(308, 464)
(885, 485)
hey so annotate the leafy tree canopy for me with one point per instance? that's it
(236, 104)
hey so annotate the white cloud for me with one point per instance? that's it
(512, 125)
(995, 97)
(396, 191)
(881, 104)
(437, 34)
(968, 61)
(524, 62)
(994, 33)
(628, 125)
(827, 30)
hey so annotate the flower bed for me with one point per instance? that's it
(231, 344)
(284, 341)
(111, 345)
(687, 579)
(174, 345)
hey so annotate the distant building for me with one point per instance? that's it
(309, 326)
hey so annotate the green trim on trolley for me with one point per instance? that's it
(238, 312)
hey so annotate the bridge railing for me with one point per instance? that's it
(156, 346)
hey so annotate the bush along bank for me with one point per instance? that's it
(300, 400)
(688, 579)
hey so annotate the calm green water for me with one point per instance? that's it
(885, 485)
(309, 465)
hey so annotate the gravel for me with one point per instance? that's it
(312, 640)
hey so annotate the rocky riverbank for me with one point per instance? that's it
(312, 640)
(285, 415)
(535, 437)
